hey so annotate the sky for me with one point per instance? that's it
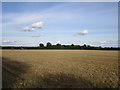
(31, 23)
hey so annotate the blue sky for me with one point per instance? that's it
(28, 24)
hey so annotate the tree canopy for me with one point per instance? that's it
(59, 46)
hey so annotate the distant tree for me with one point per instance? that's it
(49, 45)
(72, 46)
(58, 46)
(88, 46)
(84, 45)
(41, 45)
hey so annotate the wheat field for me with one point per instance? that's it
(59, 69)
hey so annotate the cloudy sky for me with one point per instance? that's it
(28, 24)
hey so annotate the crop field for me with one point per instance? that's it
(59, 69)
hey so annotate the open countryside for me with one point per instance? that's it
(59, 44)
(60, 69)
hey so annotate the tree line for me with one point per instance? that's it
(59, 46)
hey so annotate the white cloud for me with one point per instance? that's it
(36, 35)
(28, 29)
(29, 44)
(58, 42)
(106, 43)
(84, 32)
(8, 41)
(21, 18)
(38, 25)
(27, 17)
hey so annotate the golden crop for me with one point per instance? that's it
(60, 68)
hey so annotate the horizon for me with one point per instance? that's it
(30, 23)
(45, 45)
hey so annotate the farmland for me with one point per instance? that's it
(60, 69)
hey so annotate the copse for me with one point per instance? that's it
(41, 45)
(49, 45)
(59, 46)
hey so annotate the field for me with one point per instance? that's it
(60, 69)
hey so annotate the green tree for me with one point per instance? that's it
(41, 45)
(72, 46)
(84, 45)
(49, 45)
(58, 45)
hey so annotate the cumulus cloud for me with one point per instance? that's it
(28, 29)
(36, 35)
(84, 32)
(38, 25)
